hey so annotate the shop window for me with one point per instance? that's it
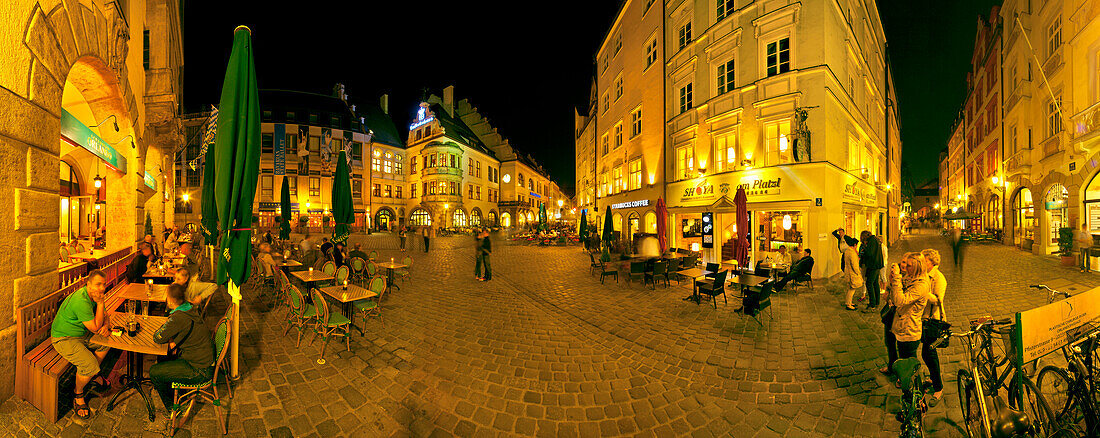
(636, 174)
(780, 228)
(617, 222)
(420, 217)
(777, 145)
(651, 222)
(725, 153)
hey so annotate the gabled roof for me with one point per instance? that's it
(455, 127)
(381, 124)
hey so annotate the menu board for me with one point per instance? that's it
(1094, 216)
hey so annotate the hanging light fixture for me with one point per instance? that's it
(786, 222)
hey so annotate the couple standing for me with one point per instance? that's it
(483, 248)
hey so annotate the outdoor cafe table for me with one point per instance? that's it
(160, 276)
(694, 273)
(143, 292)
(285, 265)
(747, 280)
(136, 348)
(348, 296)
(311, 277)
(390, 266)
(91, 257)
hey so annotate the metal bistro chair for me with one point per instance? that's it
(342, 274)
(358, 265)
(595, 265)
(405, 272)
(206, 391)
(605, 271)
(329, 268)
(372, 271)
(637, 269)
(301, 315)
(712, 268)
(80, 248)
(371, 306)
(754, 301)
(65, 255)
(718, 286)
(373, 255)
(660, 270)
(329, 324)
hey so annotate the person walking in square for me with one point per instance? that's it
(853, 279)
(403, 236)
(426, 232)
(1082, 239)
(485, 248)
(81, 314)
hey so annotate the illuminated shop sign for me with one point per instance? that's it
(854, 192)
(708, 230)
(77, 134)
(631, 204)
(422, 119)
(759, 186)
(150, 181)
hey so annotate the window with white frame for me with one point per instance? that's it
(636, 122)
(685, 35)
(618, 134)
(1054, 117)
(685, 161)
(605, 188)
(618, 43)
(725, 7)
(779, 56)
(725, 151)
(606, 102)
(1054, 35)
(777, 146)
(725, 76)
(618, 184)
(651, 52)
(853, 154)
(636, 173)
(685, 98)
(618, 87)
(604, 147)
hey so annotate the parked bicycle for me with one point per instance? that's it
(1074, 394)
(986, 411)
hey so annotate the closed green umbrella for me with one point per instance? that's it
(342, 211)
(608, 229)
(237, 166)
(542, 216)
(209, 221)
(582, 232)
(284, 211)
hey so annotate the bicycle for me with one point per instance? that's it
(983, 379)
(1076, 398)
(913, 390)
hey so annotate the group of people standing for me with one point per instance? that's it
(912, 314)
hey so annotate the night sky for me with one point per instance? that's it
(527, 72)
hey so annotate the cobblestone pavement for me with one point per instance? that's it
(546, 350)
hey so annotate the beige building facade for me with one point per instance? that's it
(93, 90)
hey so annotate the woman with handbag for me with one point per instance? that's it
(934, 322)
(911, 298)
(852, 274)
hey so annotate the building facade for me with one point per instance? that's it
(584, 132)
(793, 102)
(301, 136)
(92, 89)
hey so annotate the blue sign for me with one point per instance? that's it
(536, 195)
(280, 149)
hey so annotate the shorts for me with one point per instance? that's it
(78, 351)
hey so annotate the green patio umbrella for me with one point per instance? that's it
(342, 211)
(209, 221)
(284, 211)
(542, 217)
(608, 228)
(582, 231)
(237, 166)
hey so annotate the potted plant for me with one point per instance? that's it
(1065, 246)
(303, 221)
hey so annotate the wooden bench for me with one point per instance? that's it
(42, 377)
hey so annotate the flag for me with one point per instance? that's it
(210, 130)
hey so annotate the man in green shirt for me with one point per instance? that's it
(81, 314)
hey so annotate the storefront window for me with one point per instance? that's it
(651, 223)
(505, 219)
(780, 228)
(420, 217)
(617, 222)
(460, 218)
(1056, 201)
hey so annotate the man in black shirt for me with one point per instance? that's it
(184, 330)
(800, 268)
(486, 248)
(137, 267)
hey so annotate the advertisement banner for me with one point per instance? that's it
(708, 230)
(1046, 329)
(280, 149)
(150, 181)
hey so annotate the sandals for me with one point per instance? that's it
(81, 407)
(849, 307)
(935, 400)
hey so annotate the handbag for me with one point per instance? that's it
(887, 313)
(932, 329)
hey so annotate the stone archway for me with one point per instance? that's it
(71, 41)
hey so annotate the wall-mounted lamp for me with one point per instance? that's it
(783, 143)
(186, 197)
(112, 116)
(97, 181)
(129, 136)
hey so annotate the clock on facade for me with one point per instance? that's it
(507, 178)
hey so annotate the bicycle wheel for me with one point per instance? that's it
(1044, 422)
(1056, 386)
(968, 402)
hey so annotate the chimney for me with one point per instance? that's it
(384, 102)
(449, 99)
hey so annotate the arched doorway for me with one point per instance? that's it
(420, 217)
(505, 219)
(1023, 219)
(521, 219)
(993, 216)
(492, 218)
(651, 222)
(475, 217)
(384, 218)
(634, 225)
(617, 224)
(1056, 204)
(459, 219)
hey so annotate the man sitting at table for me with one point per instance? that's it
(197, 291)
(800, 269)
(191, 353)
(267, 263)
(358, 252)
(81, 314)
(140, 264)
(191, 261)
(152, 241)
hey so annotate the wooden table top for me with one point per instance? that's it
(142, 343)
(693, 272)
(158, 273)
(353, 293)
(89, 255)
(747, 280)
(310, 276)
(391, 265)
(143, 292)
(288, 263)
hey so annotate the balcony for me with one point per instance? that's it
(1053, 145)
(1021, 92)
(1018, 163)
(1054, 62)
(437, 145)
(450, 199)
(441, 170)
(1086, 125)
